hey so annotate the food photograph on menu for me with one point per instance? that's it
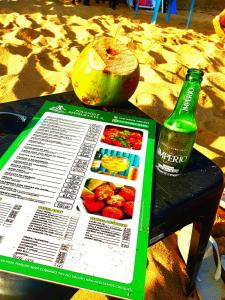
(122, 137)
(108, 199)
(116, 163)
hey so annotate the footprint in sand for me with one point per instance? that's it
(22, 21)
(27, 34)
(3, 69)
(31, 82)
(217, 79)
(158, 57)
(19, 50)
(190, 57)
(63, 60)
(152, 105)
(8, 59)
(45, 61)
(215, 126)
(47, 33)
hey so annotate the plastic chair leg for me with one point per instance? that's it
(199, 240)
(162, 7)
(169, 10)
(190, 13)
(172, 9)
(136, 7)
(155, 11)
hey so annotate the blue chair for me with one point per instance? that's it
(171, 10)
(147, 4)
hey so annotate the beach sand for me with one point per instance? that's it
(40, 41)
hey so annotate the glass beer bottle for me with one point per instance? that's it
(178, 132)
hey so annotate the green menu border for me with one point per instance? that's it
(133, 290)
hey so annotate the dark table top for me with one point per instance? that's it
(172, 197)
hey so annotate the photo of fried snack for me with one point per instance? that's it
(108, 199)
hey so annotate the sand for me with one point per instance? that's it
(40, 41)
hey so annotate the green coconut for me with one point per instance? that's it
(105, 73)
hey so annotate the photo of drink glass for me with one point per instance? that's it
(116, 163)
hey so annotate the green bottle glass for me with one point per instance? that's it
(178, 132)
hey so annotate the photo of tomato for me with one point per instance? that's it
(116, 200)
(93, 205)
(122, 137)
(104, 192)
(108, 199)
(112, 212)
(127, 193)
(129, 207)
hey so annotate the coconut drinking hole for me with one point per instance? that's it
(111, 51)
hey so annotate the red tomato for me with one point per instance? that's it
(116, 200)
(92, 205)
(137, 146)
(108, 141)
(103, 192)
(136, 135)
(89, 197)
(127, 193)
(131, 140)
(112, 212)
(114, 130)
(117, 143)
(106, 132)
(128, 208)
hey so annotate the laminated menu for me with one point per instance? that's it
(75, 200)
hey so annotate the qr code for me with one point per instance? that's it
(126, 238)
(60, 259)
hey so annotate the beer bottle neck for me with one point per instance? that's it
(188, 98)
(182, 118)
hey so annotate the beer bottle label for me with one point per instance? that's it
(173, 151)
(171, 160)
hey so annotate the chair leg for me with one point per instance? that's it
(155, 11)
(112, 4)
(190, 13)
(171, 9)
(199, 240)
(136, 3)
(162, 7)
